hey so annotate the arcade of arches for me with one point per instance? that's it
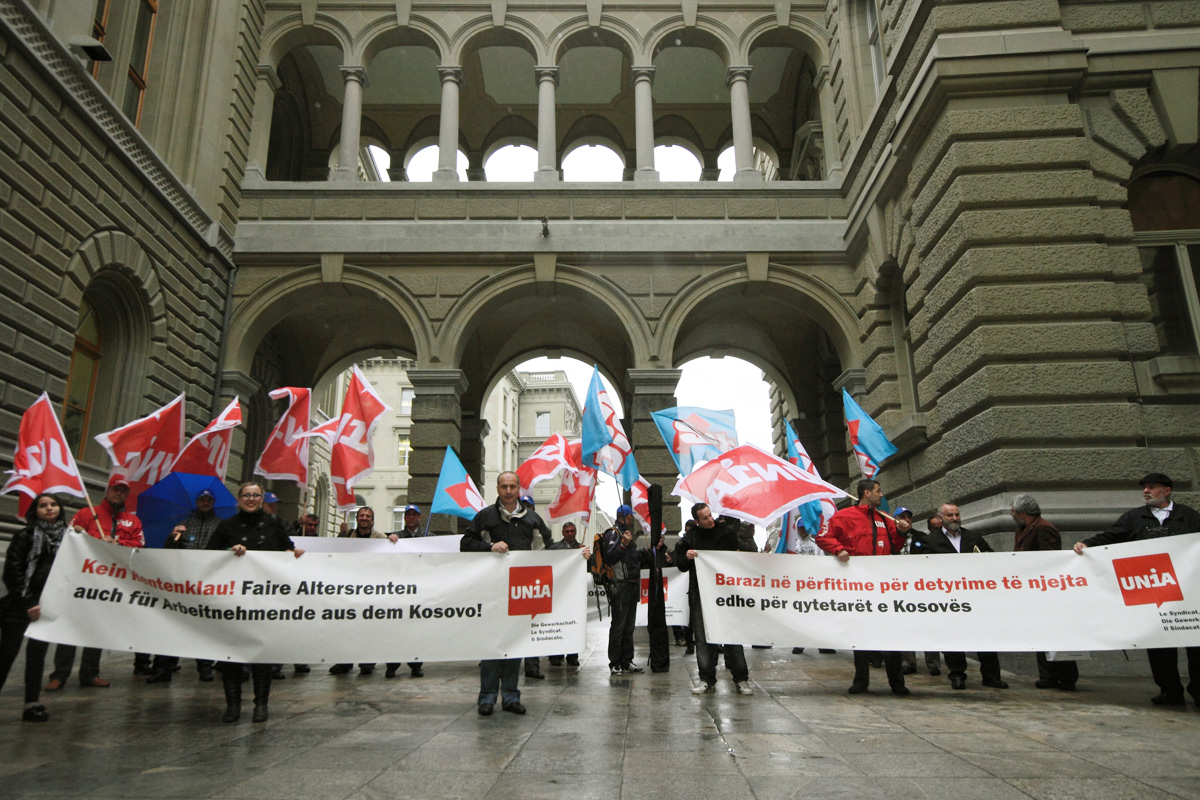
(972, 216)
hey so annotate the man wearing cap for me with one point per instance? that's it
(110, 523)
(193, 533)
(1159, 517)
(624, 590)
(411, 530)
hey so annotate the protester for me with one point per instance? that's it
(568, 542)
(364, 528)
(193, 533)
(1160, 516)
(411, 530)
(710, 534)
(508, 524)
(861, 530)
(26, 568)
(953, 538)
(251, 528)
(624, 590)
(904, 526)
(805, 544)
(309, 525)
(110, 523)
(533, 664)
(1035, 533)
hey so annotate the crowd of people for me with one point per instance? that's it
(512, 523)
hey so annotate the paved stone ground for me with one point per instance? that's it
(588, 735)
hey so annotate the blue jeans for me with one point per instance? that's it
(502, 672)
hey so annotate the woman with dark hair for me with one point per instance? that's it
(26, 567)
(251, 528)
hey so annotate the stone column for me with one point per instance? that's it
(355, 79)
(738, 81)
(265, 87)
(473, 452)
(654, 390)
(833, 163)
(448, 125)
(436, 423)
(643, 108)
(547, 80)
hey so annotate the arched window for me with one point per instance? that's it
(592, 163)
(398, 506)
(81, 381)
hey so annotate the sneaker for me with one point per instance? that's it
(743, 687)
(614, 669)
(704, 688)
(36, 714)
(632, 667)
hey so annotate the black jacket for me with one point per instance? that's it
(14, 573)
(626, 560)
(257, 531)
(722, 536)
(935, 542)
(517, 532)
(1139, 523)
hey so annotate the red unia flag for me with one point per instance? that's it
(42, 461)
(352, 457)
(546, 462)
(145, 450)
(575, 494)
(286, 455)
(208, 451)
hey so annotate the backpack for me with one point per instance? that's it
(602, 573)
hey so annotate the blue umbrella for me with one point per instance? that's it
(169, 502)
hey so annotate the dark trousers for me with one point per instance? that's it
(11, 634)
(706, 654)
(1164, 666)
(624, 596)
(1064, 673)
(501, 673)
(932, 659)
(231, 679)
(64, 662)
(168, 663)
(891, 664)
(989, 665)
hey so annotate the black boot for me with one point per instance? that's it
(231, 679)
(262, 691)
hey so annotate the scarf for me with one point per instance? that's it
(47, 536)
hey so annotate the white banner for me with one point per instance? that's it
(675, 599)
(338, 544)
(276, 608)
(1127, 596)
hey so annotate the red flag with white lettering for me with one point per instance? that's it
(352, 457)
(145, 450)
(42, 461)
(578, 487)
(285, 456)
(208, 451)
(545, 462)
(753, 485)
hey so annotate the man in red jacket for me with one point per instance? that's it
(861, 530)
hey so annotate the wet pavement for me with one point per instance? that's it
(589, 735)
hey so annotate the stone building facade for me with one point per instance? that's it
(982, 219)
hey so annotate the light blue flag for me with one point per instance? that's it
(695, 434)
(605, 445)
(456, 493)
(871, 445)
(810, 512)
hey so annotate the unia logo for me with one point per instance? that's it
(530, 591)
(1147, 579)
(646, 590)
